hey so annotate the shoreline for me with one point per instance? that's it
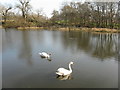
(1, 27)
(96, 30)
(107, 30)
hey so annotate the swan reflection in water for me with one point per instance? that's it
(49, 59)
(66, 77)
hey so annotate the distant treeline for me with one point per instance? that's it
(73, 14)
(98, 14)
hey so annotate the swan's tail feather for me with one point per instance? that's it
(40, 53)
(58, 73)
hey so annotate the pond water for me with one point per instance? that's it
(94, 55)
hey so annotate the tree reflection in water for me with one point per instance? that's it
(99, 45)
(26, 48)
(106, 46)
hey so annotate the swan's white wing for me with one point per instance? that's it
(63, 71)
(43, 54)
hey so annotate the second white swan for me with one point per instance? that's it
(44, 55)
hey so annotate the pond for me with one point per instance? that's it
(95, 57)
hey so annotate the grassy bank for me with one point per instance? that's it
(1, 26)
(72, 29)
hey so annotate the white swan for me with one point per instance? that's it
(44, 55)
(63, 71)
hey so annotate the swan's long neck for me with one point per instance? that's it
(70, 67)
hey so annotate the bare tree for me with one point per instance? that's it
(24, 6)
(4, 12)
(39, 12)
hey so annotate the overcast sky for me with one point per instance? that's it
(47, 5)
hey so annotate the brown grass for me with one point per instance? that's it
(100, 30)
(105, 30)
(27, 28)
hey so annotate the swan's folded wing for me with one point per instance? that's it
(45, 54)
(63, 70)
